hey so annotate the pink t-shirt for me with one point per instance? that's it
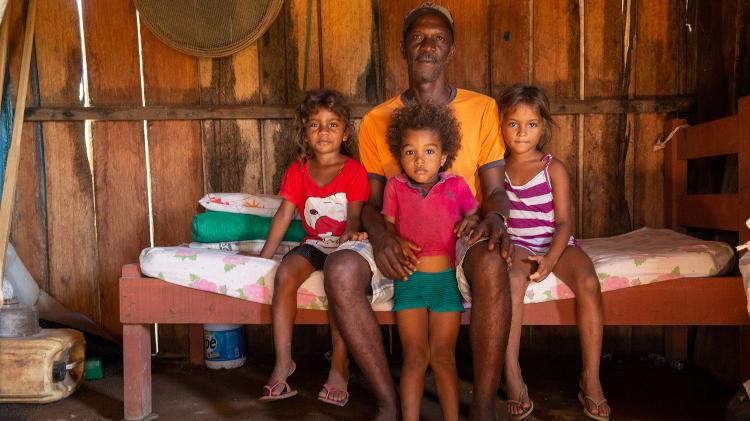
(429, 221)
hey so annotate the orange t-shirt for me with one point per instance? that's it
(482, 144)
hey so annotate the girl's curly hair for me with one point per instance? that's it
(332, 101)
(533, 96)
(427, 116)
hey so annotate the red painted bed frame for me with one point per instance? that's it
(678, 302)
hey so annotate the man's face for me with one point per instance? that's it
(428, 48)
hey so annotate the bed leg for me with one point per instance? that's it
(195, 334)
(136, 349)
(744, 353)
(677, 343)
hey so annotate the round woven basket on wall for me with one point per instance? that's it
(208, 28)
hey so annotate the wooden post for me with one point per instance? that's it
(675, 176)
(14, 153)
(195, 333)
(136, 345)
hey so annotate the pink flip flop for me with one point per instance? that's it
(330, 390)
(286, 391)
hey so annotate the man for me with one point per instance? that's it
(360, 269)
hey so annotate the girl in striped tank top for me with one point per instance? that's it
(540, 226)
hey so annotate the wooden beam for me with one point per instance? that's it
(14, 153)
(683, 301)
(713, 211)
(665, 104)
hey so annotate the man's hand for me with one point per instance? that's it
(493, 227)
(394, 256)
(543, 270)
(352, 236)
(467, 225)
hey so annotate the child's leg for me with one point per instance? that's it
(443, 334)
(338, 376)
(290, 274)
(519, 281)
(576, 270)
(412, 328)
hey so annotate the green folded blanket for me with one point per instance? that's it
(215, 227)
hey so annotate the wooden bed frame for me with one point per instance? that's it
(678, 302)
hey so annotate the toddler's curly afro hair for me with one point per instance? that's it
(426, 116)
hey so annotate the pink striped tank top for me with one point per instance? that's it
(531, 223)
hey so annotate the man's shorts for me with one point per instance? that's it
(382, 287)
(435, 291)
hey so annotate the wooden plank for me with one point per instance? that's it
(119, 156)
(675, 177)
(667, 104)
(391, 25)
(605, 143)
(715, 211)
(347, 48)
(73, 273)
(470, 67)
(684, 301)
(175, 157)
(695, 145)
(302, 38)
(555, 69)
(743, 172)
(656, 47)
(22, 207)
(717, 71)
(509, 44)
(232, 149)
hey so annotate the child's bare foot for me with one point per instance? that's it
(519, 403)
(592, 398)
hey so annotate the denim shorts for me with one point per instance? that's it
(435, 291)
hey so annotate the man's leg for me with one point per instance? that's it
(347, 280)
(490, 324)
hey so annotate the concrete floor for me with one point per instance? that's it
(636, 389)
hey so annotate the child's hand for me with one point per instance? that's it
(466, 227)
(409, 250)
(544, 269)
(352, 236)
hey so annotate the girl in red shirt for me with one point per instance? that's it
(328, 189)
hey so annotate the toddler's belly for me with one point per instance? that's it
(434, 263)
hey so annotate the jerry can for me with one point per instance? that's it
(44, 367)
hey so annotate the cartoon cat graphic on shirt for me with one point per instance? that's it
(327, 215)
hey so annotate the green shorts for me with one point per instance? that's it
(435, 291)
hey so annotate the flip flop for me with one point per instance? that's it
(582, 398)
(329, 390)
(286, 391)
(520, 402)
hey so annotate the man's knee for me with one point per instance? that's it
(485, 269)
(346, 273)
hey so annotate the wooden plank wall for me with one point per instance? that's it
(110, 205)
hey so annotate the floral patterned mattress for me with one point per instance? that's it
(640, 257)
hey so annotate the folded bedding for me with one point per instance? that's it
(252, 204)
(216, 227)
(640, 257)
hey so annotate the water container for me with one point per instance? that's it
(224, 345)
(41, 368)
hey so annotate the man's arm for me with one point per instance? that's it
(385, 245)
(494, 203)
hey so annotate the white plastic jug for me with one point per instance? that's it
(224, 345)
(17, 282)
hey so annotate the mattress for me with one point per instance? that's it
(640, 257)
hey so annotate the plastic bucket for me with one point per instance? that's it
(224, 345)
